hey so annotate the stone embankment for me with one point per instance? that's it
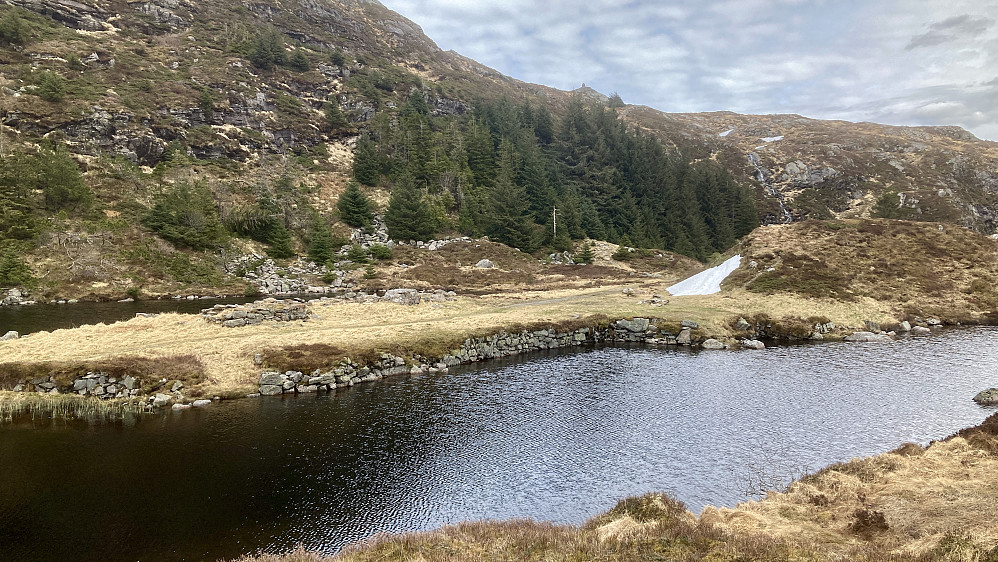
(235, 315)
(473, 350)
(99, 385)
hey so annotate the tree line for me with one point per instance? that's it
(523, 177)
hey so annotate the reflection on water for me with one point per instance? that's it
(558, 437)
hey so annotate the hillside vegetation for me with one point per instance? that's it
(914, 268)
(145, 144)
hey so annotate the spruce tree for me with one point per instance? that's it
(354, 207)
(510, 221)
(321, 248)
(334, 116)
(585, 254)
(366, 162)
(408, 217)
(280, 242)
(299, 61)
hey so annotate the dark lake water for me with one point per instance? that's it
(557, 437)
(37, 317)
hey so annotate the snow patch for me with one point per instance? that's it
(706, 282)
(771, 139)
(726, 133)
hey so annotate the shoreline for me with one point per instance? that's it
(341, 337)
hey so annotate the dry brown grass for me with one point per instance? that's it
(916, 268)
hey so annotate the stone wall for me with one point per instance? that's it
(99, 385)
(472, 350)
(234, 315)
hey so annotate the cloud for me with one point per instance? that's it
(951, 29)
(885, 61)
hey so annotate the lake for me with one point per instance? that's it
(558, 437)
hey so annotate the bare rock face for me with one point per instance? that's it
(87, 17)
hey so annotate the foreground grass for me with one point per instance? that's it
(912, 504)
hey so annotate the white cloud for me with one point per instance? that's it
(934, 62)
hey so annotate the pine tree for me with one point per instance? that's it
(354, 207)
(280, 242)
(337, 58)
(366, 162)
(321, 248)
(408, 217)
(585, 254)
(299, 61)
(334, 116)
(509, 220)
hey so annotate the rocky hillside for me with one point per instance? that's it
(913, 269)
(808, 168)
(264, 101)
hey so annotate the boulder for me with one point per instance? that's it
(689, 324)
(904, 326)
(485, 264)
(201, 403)
(160, 399)
(402, 296)
(11, 335)
(684, 337)
(271, 389)
(753, 344)
(920, 330)
(987, 397)
(637, 325)
(272, 378)
(712, 344)
(868, 337)
(742, 325)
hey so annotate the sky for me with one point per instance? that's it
(900, 62)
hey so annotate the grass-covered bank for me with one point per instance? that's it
(913, 503)
(356, 330)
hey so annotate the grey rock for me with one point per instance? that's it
(987, 397)
(689, 324)
(712, 344)
(637, 325)
(753, 344)
(485, 264)
(271, 389)
(11, 335)
(742, 325)
(872, 326)
(402, 296)
(684, 337)
(920, 330)
(129, 382)
(181, 406)
(272, 378)
(868, 337)
(934, 322)
(905, 326)
(158, 400)
(176, 386)
(201, 403)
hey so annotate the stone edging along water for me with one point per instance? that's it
(473, 350)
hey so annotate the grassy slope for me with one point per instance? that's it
(910, 268)
(846, 272)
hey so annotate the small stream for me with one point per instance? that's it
(557, 437)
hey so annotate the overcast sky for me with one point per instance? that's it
(903, 62)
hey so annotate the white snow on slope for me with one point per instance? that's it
(726, 133)
(772, 139)
(706, 282)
